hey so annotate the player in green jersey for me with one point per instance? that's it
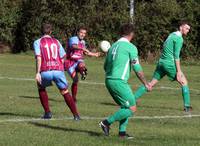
(169, 64)
(121, 58)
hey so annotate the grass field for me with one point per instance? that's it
(20, 110)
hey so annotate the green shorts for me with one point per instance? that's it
(163, 69)
(121, 92)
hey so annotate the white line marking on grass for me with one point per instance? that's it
(17, 79)
(93, 83)
(18, 120)
(170, 88)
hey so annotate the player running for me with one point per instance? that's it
(122, 57)
(169, 64)
(50, 55)
(76, 48)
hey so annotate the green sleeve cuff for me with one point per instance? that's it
(176, 57)
(137, 67)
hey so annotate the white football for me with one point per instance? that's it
(105, 46)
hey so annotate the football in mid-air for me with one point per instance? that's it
(105, 46)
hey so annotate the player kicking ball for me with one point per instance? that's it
(50, 55)
(74, 64)
(121, 58)
(169, 64)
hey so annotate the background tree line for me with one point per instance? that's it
(20, 22)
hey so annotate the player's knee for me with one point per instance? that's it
(75, 80)
(133, 108)
(153, 82)
(81, 67)
(81, 64)
(64, 91)
(183, 82)
(40, 88)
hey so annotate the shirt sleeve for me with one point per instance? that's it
(73, 41)
(36, 46)
(62, 50)
(135, 60)
(178, 43)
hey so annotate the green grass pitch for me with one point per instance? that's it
(20, 110)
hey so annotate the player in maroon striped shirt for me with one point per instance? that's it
(76, 48)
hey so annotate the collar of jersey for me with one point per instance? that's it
(47, 36)
(178, 33)
(123, 39)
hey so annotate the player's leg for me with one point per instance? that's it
(184, 86)
(120, 115)
(71, 67)
(61, 82)
(123, 96)
(159, 73)
(122, 129)
(185, 93)
(71, 104)
(46, 81)
(44, 101)
(74, 86)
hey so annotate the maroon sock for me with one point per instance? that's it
(74, 89)
(44, 99)
(71, 104)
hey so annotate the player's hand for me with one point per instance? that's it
(148, 86)
(38, 78)
(97, 54)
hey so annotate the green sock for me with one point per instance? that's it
(140, 91)
(186, 95)
(122, 125)
(122, 113)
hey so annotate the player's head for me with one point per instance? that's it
(82, 31)
(46, 28)
(184, 27)
(127, 30)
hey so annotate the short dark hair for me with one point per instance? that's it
(82, 28)
(183, 22)
(46, 28)
(126, 29)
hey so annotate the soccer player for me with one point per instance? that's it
(122, 57)
(169, 64)
(50, 55)
(76, 48)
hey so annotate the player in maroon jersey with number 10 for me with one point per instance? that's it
(50, 55)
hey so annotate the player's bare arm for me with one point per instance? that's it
(38, 66)
(87, 52)
(142, 78)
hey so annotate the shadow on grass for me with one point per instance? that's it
(16, 114)
(108, 103)
(158, 107)
(91, 133)
(37, 98)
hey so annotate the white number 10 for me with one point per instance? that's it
(54, 51)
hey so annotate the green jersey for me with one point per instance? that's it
(172, 47)
(121, 57)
